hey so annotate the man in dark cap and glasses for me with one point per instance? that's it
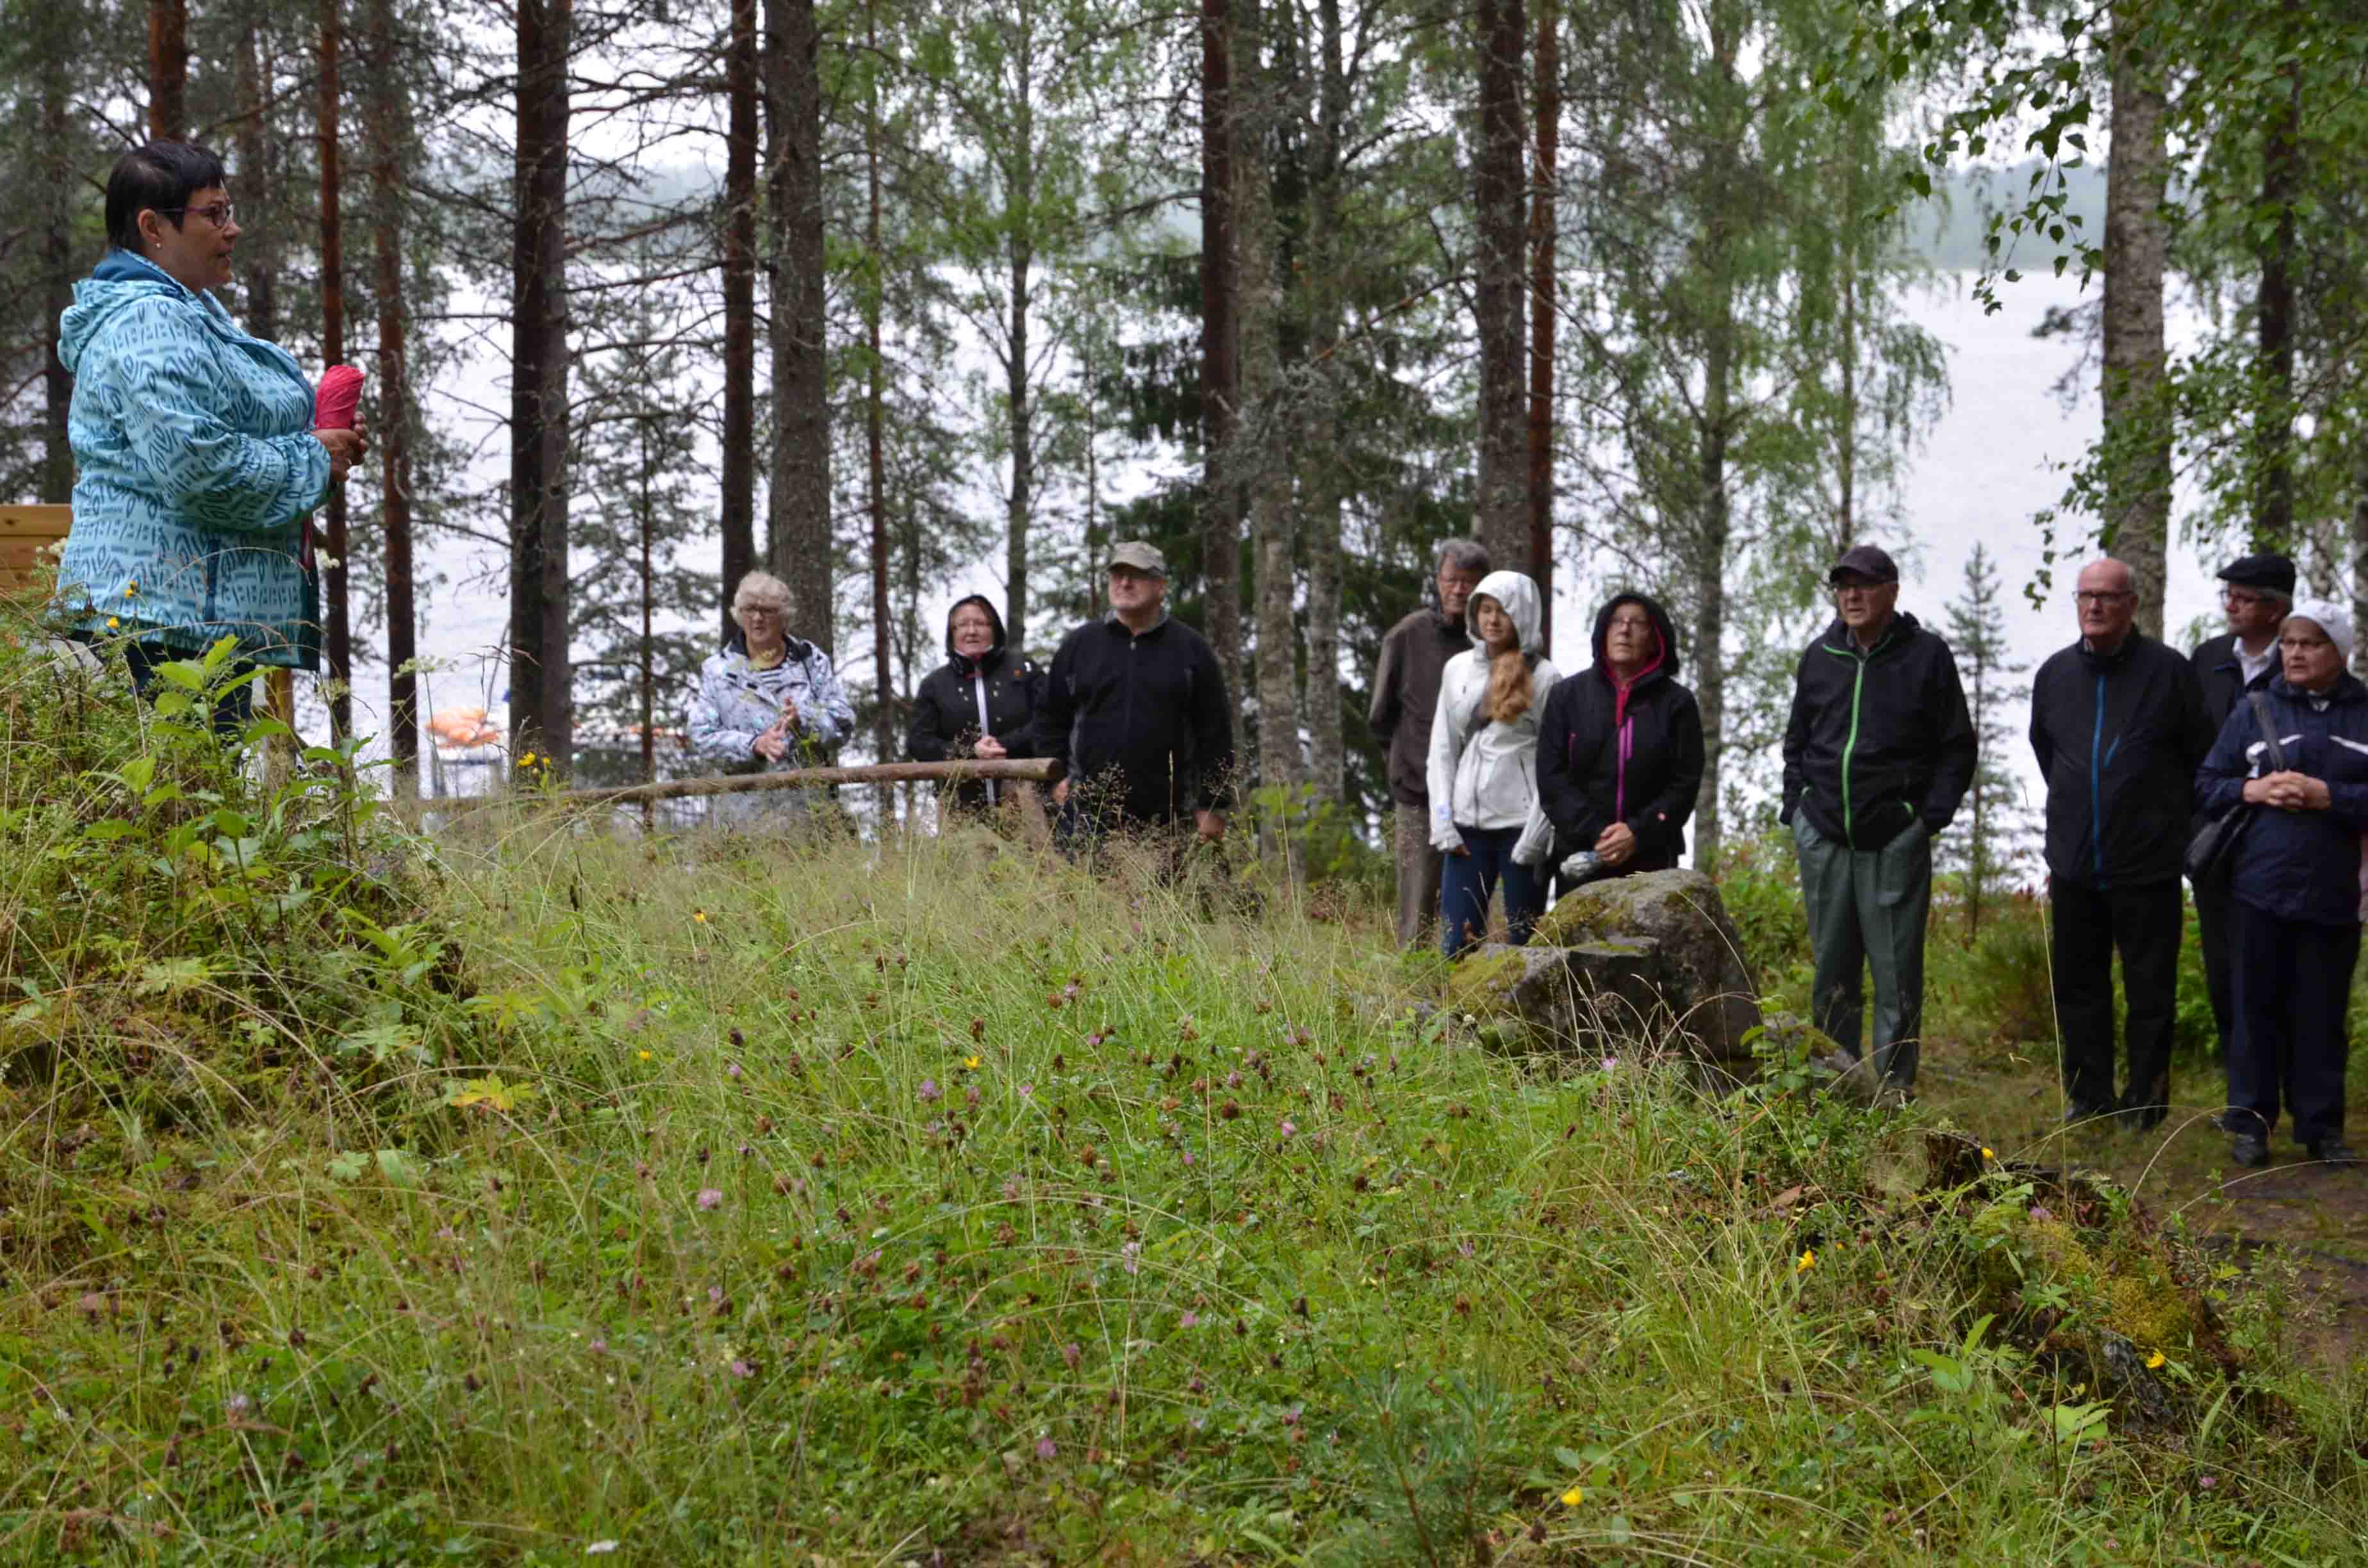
(1135, 708)
(1878, 752)
(2256, 595)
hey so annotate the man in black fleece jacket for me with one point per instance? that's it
(1135, 708)
(1878, 752)
(2118, 726)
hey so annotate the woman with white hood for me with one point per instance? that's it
(1483, 762)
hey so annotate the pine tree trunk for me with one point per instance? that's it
(2273, 487)
(1327, 749)
(799, 507)
(259, 250)
(2137, 244)
(387, 109)
(541, 710)
(2358, 542)
(1708, 569)
(737, 503)
(168, 70)
(1498, 285)
(1541, 489)
(337, 575)
(1019, 196)
(875, 441)
(1259, 457)
(1221, 378)
(58, 277)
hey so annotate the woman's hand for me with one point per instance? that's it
(346, 447)
(2289, 792)
(1616, 844)
(989, 748)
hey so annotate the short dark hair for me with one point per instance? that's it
(161, 177)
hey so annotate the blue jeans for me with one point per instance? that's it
(1466, 882)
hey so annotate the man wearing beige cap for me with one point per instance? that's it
(1136, 710)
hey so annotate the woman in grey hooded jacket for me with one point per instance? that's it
(1483, 751)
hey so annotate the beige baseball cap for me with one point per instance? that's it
(1139, 555)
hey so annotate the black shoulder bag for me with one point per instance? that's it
(2212, 853)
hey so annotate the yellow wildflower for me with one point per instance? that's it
(112, 623)
(1574, 1497)
(1808, 1261)
(1987, 1156)
(644, 1055)
(526, 759)
(969, 1063)
(698, 916)
(2154, 1361)
(132, 589)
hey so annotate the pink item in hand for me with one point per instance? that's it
(341, 389)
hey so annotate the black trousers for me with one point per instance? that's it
(2145, 923)
(2292, 982)
(2215, 911)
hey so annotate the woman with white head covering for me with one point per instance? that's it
(1483, 762)
(767, 702)
(2301, 763)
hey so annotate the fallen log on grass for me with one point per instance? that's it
(1008, 770)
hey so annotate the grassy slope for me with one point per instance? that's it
(841, 1205)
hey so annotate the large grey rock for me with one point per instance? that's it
(1651, 957)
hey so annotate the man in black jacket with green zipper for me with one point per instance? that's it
(1878, 752)
(2118, 726)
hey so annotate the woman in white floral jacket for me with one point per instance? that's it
(766, 702)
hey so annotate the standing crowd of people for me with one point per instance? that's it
(201, 450)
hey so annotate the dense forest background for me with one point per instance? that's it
(654, 291)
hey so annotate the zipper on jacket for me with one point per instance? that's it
(2097, 786)
(1850, 746)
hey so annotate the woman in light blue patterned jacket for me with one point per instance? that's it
(194, 443)
(767, 702)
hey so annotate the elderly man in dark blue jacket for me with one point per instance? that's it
(2118, 726)
(2296, 885)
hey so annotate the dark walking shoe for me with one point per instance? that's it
(2143, 1118)
(2250, 1149)
(2082, 1110)
(2334, 1152)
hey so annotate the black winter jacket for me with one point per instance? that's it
(1142, 722)
(2118, 737)
(945, 710)
(1877, 740)
(1405, 695)
(2301, 865)
(1646, 771)
(2223, 678)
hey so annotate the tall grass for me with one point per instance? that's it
(735, 1199)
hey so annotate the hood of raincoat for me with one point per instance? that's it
(1663, 628)
(121, 279)
(993, 620)
(1518, 597)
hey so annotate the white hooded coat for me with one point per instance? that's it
(1485, 775)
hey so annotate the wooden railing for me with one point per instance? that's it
(25, 532)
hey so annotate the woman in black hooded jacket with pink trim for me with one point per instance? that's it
(1619, 746)
(980, 702)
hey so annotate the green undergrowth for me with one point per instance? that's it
(522, 1192)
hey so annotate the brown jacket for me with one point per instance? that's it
(1405, 692)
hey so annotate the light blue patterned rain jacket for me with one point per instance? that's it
(197, 468)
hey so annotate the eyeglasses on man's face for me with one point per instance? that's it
(766, 612)
(2241, 599)
(2103, 595)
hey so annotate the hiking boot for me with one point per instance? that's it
(2143, 1118)
(2334, 1152)
(2250, 1149)
(2085, 1110)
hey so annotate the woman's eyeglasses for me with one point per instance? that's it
(219, 214)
